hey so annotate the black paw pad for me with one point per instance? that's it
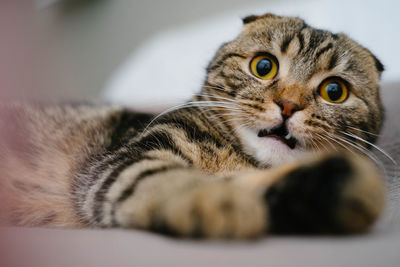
(305, 200)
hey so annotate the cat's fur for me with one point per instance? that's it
(201, 170)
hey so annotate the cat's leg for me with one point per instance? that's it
(188, 203)
(161, 192)
(327, 194)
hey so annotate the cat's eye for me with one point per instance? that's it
(264, 67)
(334, 90)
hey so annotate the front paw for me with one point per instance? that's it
(216, 210)
(333, 194)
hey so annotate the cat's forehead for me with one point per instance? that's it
(272, 28)
(306, 51)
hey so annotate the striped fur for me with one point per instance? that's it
(201, 169)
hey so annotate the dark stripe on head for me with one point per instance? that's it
(300, 37)
(286, 42)
(333, 61)
(316, 38)
(323, 50)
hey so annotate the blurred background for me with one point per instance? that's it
(96, 36)
(76, 45)
(90, 49)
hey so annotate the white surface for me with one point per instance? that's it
(169, 68)
(98, 248)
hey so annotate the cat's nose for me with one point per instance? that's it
(288, 108)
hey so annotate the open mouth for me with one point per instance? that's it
(281, 133)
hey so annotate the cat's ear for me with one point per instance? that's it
(378, 64)
(250, 18)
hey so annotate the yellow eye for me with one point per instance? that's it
(264, 67)
(334, 90)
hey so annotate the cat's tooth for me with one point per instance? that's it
(288, 136)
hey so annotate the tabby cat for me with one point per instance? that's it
(273, 143)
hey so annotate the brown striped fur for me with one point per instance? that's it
(201, 170)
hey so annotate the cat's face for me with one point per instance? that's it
(286, 89)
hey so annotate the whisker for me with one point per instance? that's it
(212, 104)
(334, 139)
(237, 118)
(219, 88)
(361, 149)
(369, 153)
(363, 131)
(218, 97)
(310, 137)
(329, 142)
(371, 144)
(318, 140)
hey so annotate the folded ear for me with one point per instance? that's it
(252, 18)
(378, 64)
(249, 19)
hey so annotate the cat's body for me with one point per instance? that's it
(233, 162)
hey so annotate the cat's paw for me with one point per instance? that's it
(333, 194)
(216, 210)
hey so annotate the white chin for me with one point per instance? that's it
(268, 150)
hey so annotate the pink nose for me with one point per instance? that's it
(288, 108)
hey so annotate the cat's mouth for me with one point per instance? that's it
(280, 133)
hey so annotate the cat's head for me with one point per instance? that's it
(286, 88)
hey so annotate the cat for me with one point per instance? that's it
(273, 143)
